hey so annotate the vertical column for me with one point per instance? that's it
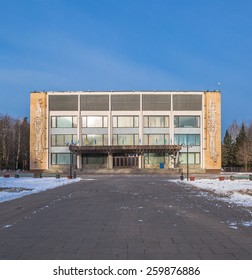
(110, 122)
(110, 161)
(79, 163)
(141, 161)
(171, 123)
(141, 121)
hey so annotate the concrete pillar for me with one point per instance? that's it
(110, 162)
(79, 162)
(141, 161)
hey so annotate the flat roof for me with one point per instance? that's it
(125, 91)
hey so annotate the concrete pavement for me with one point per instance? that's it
(123, 217)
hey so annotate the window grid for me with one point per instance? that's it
(95, 139)
(187, 121)
(94, 121)
(60, 140)
(156, 139)
(156, 121)
(187, 139)
(193, 158)
(125, 139)
(62, 158)
(64, 122)
(125, 121)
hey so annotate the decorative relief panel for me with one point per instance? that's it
(38, 152)
(38, 127)
(212, 130)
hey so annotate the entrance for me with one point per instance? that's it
(125, 162)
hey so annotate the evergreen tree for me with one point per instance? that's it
(227, 150)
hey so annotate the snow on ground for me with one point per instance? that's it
(12, 188)
(238, 191)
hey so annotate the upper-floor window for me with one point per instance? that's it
(95, 139)
(187, 139)
(186, 121)
(156, 139)
(123, 121)
(94, 121)
(156, 121)
(63, 122)
(63, 139)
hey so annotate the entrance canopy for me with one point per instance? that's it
(129, 149)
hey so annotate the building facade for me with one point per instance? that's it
(118, 129)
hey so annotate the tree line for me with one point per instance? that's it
(237, 146)
(14, 143)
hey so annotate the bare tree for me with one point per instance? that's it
(14, 143)
(234, 131)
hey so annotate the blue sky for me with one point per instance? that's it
(126, 45)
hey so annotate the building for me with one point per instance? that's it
(134, 129)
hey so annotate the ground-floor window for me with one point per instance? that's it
(95, 139)
(62, 158)
(193, 158)
(94, 159)
(156, 158)
(125, 139)
(156, 139)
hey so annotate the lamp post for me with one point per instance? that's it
(71, 158)
(187, 156)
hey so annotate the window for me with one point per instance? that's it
(123, 139)
(95, 139)
(94, 121)
(121, 121)
(156, 139)
(186, 121)
(156, 158)
(62, 158)
(187, 139)
(63, 139)
(63, 122)
(156, 121)
(193, 158)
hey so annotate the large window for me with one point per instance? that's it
(156, 158)
(156, 121)
(123, 139)
(187, 139)
(186, 121)
(63, 122)
(193, 158)
(156, 139)
(95, 139)
(62, 158)
(123, 121)
(95, 121)
(63, 139)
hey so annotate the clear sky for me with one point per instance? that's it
(126, 45)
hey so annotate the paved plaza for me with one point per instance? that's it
(123, 217)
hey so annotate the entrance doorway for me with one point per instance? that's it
(125, 162)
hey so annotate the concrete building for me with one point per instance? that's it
(133, 129)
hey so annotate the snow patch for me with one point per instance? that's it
(234, 192)
(29, 186)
